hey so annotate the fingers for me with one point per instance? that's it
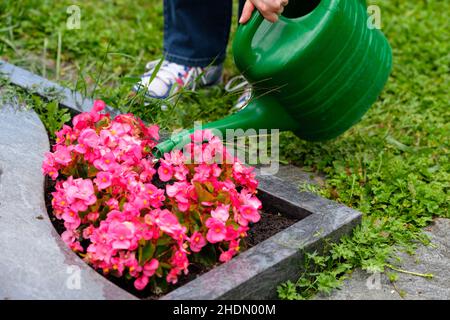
(246, 12)
(270, 9)
(270, 16)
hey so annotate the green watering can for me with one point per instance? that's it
(316, 71)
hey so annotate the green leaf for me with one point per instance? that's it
(146, 252)
(162, 241)
(202, 193)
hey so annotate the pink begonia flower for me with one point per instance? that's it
(61, 134)
(202, 172)
(70, 189)
(119, 129)
(180, 191)
(141, 282)
(70, 216)
(227, 255)
(234, 245)
(221, 213)
(231, 233)
(140, 202)
(197, 241)
(175, 158)
(106, 139)
(80, 148)
(49, 166)
(49, 159)
(147, 170)
(76, 246)
(216, 171)
(150, 267)
(100, 234)
(92, 216)
(214, 152)
(216, 231)
(98, 106)
(53, 173)
(85, 191)
(168, 222)
(180, 260)
(81, 121)
(100, 251)
(79, 206)
(62, 155)
(177, 189)
(122, 234)
(88, 231)
(106, 162)
(172, 276)
(153, 132)
(165, 172)
(201, 135)
(247, 197)
(88, 137)
(68, 237)
(155, 195)
(59, 196)
(181, 172)
(243, 230)
(249, 213)
(146, 233)
(133, 266)
(118, 264)
(103, 180)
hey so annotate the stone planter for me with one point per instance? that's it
(255, 273)
(36, 264)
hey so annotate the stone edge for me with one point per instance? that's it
(255, 273)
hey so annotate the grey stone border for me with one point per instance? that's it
(35, 263)
(255, 273)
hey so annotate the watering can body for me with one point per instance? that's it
(325, 68)
(315, 72)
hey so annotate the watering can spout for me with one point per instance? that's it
(261, 113)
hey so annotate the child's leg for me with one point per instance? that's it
(196, 31)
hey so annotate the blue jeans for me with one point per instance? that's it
(196, 31)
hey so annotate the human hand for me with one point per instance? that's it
(270, 9)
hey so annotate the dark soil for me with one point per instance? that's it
(270, 224)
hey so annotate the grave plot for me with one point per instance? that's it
(37, 264)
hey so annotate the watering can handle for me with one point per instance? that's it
(248, 30)
(243, 39)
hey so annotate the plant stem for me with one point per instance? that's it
(424, 275)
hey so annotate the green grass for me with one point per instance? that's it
(105, 57)
(393, 166)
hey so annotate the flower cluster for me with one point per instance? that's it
(131, 215)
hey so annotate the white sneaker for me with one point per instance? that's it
(171, 77)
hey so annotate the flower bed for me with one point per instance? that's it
(253, 274)
(132, 216)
